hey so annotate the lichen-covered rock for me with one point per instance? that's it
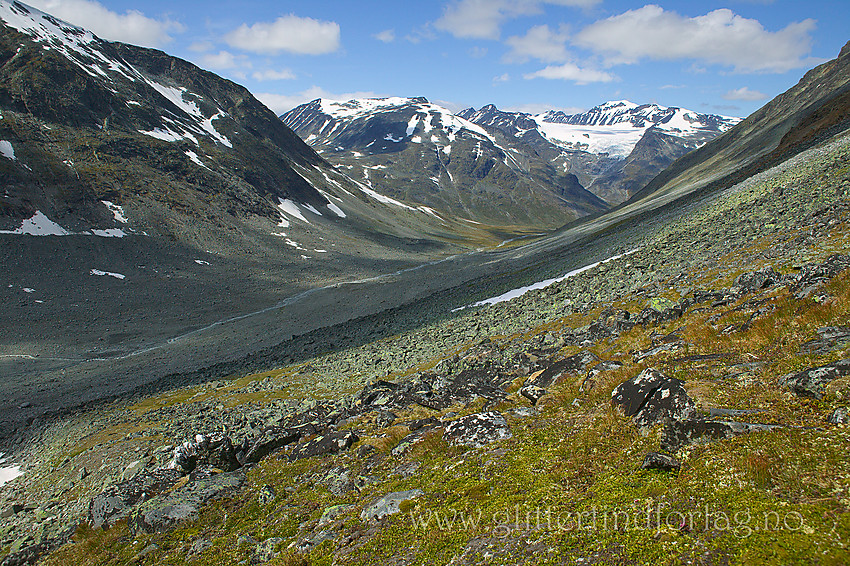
(117, 501)
(651, 397)
(270, 439)
(630, 396)
(755, 280)
(478, 429)
(338, 481)
(533, 393)
(331, 513)
(328, 443)
(659, 461)
(812, 382)
(678, 434)
(183, 504)
(389, 504)
(829, 338)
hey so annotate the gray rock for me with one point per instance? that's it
(338, 481)
(829, 338)
(389, 504)
(477, 430)
(659, 461)
(839, 415)
(755, 280)
(267, 495)
(650, 397)
(331, 513)
(166, 511)
(533, 393)
(116, 501)
(678, 434)
(329, 443)
(812, 382)
(270, 439)
(308, 543)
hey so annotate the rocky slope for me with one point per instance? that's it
(615, 148)
(675, 391)
(692, 390)
(420, 152)
(129, 175)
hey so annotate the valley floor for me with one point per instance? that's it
(488, 435)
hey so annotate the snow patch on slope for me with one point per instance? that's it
(7, 151)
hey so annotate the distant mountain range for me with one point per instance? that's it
(420, 152)
(612, 150)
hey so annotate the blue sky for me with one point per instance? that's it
(721, 57)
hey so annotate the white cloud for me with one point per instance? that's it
(224, 60)
(477, 52)
(744, 93)
(281, 103)
(483, 19)
(571, 72)
(302, 36)
(274, 75)
(720, 37)
(131, 27)
(387, 36)
(503, 78)
(538, 43)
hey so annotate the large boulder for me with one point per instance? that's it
(118, 500)
(268, 441)
(184, 503)
(477, 430)
(812, 382)
(651, 397)
(328, 443)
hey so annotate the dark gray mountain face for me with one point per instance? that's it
(613, 149)
(420, 152)
(142, 198)
(91, 120)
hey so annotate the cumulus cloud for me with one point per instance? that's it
(538, 43)
(387, 36)
(571, 72)
(302, 36)
(483, 19)
(744, 93)
(224, 60)
(130, 27)
(720, 37)
(274, 75)
(281, 103)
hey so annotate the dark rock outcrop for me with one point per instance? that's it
(117, 501)
(659, 461)
(651, 397)
(678, 434)
(165, 511)
(812, 382)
